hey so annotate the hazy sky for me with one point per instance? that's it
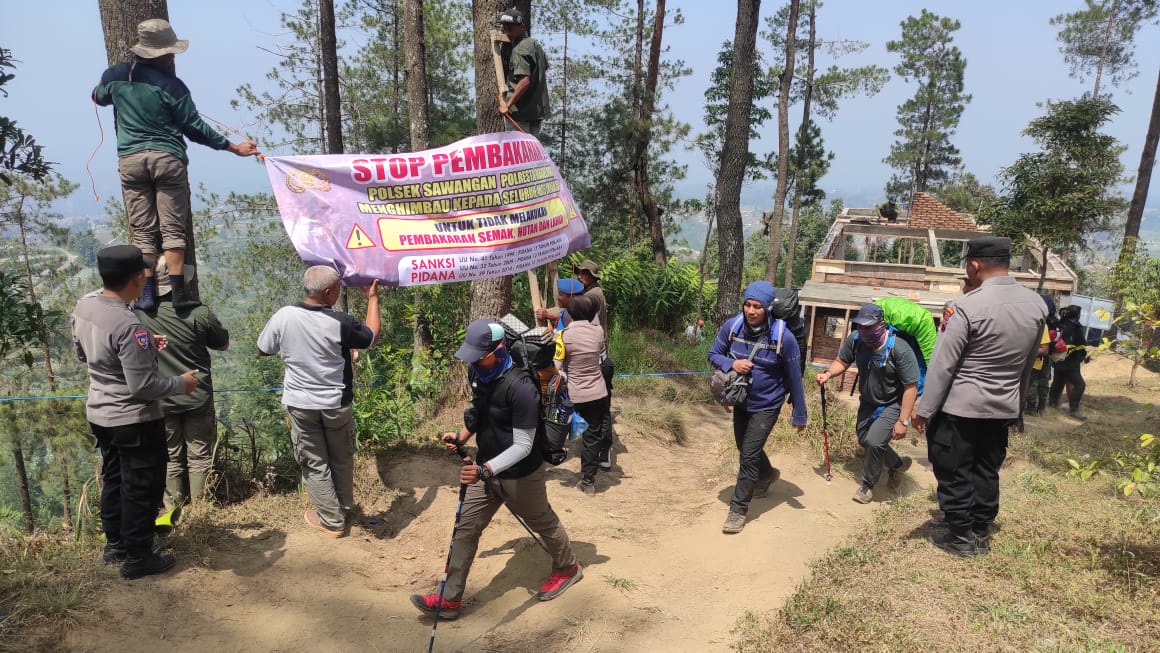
(1012, 55)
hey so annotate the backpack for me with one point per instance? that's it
(913, 320)
(532, 350)
(785, 307)
(1057, 352)
(887, 354)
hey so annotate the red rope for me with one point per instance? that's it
(89, 163)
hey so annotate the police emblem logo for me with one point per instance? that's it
(948, 311)
(142, 338)
(304, 179)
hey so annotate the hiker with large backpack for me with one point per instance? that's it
(1068, 371)
(888, 372)
(577, 359)
(504, 416)
(755, 345)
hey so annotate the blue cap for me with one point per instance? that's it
(570, 286)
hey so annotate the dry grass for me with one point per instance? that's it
(1073, 568)
(46, 581)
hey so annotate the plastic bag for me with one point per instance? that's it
(579, 425)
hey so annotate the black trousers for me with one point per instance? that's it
(966, 454)
(133, 460)
(750, 431)
(597, 437)
(1063, 376)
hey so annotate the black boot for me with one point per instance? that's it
(181, 298)
(138, 566)
(148, 299)
(956, 544)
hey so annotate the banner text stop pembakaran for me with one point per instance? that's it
(486, 206)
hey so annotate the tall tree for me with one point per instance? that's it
(19, 152)
(1058, 197)
(119, 20)
(923, 154)
(1100, 38)
(735, 157)
(640, 168)
(786, 81)
(489, 297)
(1143, 178)
(416, 61)
(331, 100)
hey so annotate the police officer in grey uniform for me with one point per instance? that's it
(124, 409)
(974, 391)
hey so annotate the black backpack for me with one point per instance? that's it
(532, 350)
(785, 307)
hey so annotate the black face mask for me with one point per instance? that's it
(756, 331)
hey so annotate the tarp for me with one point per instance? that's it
(486, 206)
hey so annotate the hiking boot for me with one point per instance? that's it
(761, 488)
(962, 546)
(733, 523)
(588, 487)
(605, 460)
(1019, 425)
(894, 480)
(1077, 415)
(148, 299)
(147, 565)
(315, 522)
(427, 603)
(115, 553)
(560, 581)
(983, 544)
(864, 495)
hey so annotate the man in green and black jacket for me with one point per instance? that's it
(154, 113)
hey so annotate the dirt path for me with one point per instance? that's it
(659, 574)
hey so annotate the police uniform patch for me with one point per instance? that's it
(142, 338)
(948, 311)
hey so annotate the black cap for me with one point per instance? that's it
(120, 261)
(989, 247)
(481, 338)
(511, 17)
(869, 315)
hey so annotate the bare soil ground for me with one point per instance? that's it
(658, 573)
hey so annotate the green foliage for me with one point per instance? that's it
(641, 294)
(717, 108)
(1134, 469)
(923, 154)
(1064, 193)
(19, 153)
(1102, 36)
(1137, 280)
(964, 193)
(21, 320)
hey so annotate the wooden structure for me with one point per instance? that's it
(917, 257)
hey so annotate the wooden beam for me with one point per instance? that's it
(935, 257)
(810, 337)
(911, 232)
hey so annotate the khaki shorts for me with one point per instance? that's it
(156, 189)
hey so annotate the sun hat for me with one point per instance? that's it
(155, 38)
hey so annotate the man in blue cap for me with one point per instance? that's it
(753, 343)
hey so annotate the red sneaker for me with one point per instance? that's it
(427, 602)
(558, 582)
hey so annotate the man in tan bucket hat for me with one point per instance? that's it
(155, 113)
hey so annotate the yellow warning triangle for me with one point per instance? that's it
(358, 239)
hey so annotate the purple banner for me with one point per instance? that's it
(486, 206)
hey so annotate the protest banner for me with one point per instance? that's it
(486, 206)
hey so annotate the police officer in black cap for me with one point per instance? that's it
(124, 409)
(974, 391)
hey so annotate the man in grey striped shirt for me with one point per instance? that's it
(315, 342)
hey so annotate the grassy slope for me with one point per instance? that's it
(1074, 567)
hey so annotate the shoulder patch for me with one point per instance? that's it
(948, 311)
(141, 336)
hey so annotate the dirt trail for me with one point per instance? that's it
(658, 573)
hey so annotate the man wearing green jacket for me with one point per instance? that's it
(154, 114)
(525, 68)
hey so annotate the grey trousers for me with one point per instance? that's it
(875, 434)
(190, 437)
(528, 498)
(324, 445)
(529, 126)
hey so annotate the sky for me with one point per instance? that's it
(1013, 63)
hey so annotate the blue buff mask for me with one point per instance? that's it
(490, 367)
(875, 338)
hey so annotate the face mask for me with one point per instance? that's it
(490, 367)
(875, 338)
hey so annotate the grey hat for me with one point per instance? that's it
(589, 266)
(869, 315)
(481, 338)
(511, 17)
(155, 38)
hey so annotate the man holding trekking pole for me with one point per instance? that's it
(503, 416)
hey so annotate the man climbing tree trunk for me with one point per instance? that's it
(416, 63)
(489, 297)
(782, 146)
(734, 156)
(640, 171)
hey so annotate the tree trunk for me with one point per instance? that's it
(332, 102)
(648, 203)
(489, 297)
(22, 483)
(1104, 50)
(734, 156)
(791, 247)
(782, 146)
(119, 20)
(416, 61)
(1143, 175)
